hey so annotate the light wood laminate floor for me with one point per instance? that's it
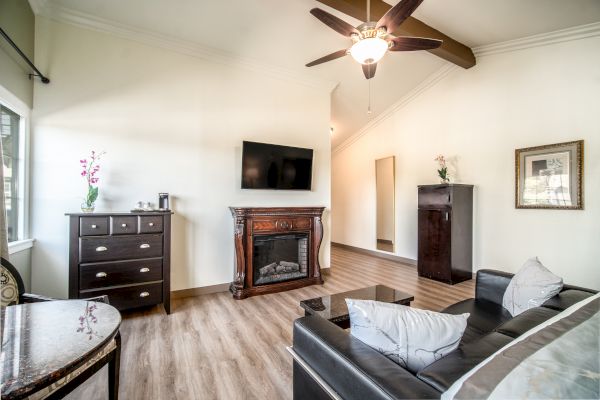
(214, 347)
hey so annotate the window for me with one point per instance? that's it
(11, 132)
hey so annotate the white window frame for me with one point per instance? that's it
(9, 100)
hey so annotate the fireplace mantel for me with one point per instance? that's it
(252, 222)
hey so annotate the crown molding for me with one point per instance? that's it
(428, 83)
(38, 6)
(544, 39)
(155, 39)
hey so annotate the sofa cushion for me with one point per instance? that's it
(350, 367)
(471, 334)
(444, 372)
(566, 299)
(532, 286)
(408, 336)
(525, 321)
(484, 317)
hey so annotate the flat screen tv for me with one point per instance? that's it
(270, 166)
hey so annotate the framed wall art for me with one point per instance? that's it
(550, 177)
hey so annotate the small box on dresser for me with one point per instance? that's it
(126, 256)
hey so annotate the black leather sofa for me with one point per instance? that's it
(328, 360)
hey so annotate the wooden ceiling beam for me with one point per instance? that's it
(451, 50)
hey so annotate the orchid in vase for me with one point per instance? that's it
(89, 171)
(443, 169)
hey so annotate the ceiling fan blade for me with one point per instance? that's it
(369, 70)
(328, 57)
(397, 14)
(405, 43)
(334, 22)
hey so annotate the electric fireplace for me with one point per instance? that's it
(276, 249)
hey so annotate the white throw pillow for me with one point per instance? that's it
(408, 336)
(531, 287)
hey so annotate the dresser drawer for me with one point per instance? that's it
(89, 226)
(151, 224)
(130, 296)
(127, 247)
(123, 225)
(435, 197)
(94, 276)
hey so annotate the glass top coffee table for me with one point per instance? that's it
(334, 307)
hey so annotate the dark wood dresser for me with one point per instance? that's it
(126, 256)
(446, 232)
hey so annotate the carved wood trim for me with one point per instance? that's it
(239, 270)
(317, 239)
(276, 211)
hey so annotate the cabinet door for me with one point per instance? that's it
(434, 244)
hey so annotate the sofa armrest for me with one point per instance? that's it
(581, 289)
(491, 284)
(350, 367)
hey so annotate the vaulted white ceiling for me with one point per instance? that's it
(283, 34)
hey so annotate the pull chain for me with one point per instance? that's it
(369, 80)
(369, 108)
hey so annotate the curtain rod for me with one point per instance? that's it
(27, 60)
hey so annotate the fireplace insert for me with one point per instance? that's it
(279, 258)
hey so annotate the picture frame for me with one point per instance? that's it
(550, 176)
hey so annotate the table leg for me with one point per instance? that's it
(113, 370)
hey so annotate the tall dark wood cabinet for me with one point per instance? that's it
(126, 256)
(446, 232)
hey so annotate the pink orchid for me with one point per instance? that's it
(443, 170)
(90, 169)
(441, 160)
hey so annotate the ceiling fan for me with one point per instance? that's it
(372, 40)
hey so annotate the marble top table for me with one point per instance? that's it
(43, 342)
(334, 307)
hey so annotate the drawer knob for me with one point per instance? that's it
(144, 294)
(150, 223)
(94, 226)
(123, 225)
(144, 269)
(101, 248)
(101, 275)
(144, 246)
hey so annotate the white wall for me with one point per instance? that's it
(477, 118)
(16, 91)
(169, 123)
(18, 21)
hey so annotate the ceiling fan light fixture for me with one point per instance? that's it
(369, 50)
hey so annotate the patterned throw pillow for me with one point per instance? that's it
(408, 336)
(9, 290)
(531, 287)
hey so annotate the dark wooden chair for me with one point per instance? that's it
(13, 292)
